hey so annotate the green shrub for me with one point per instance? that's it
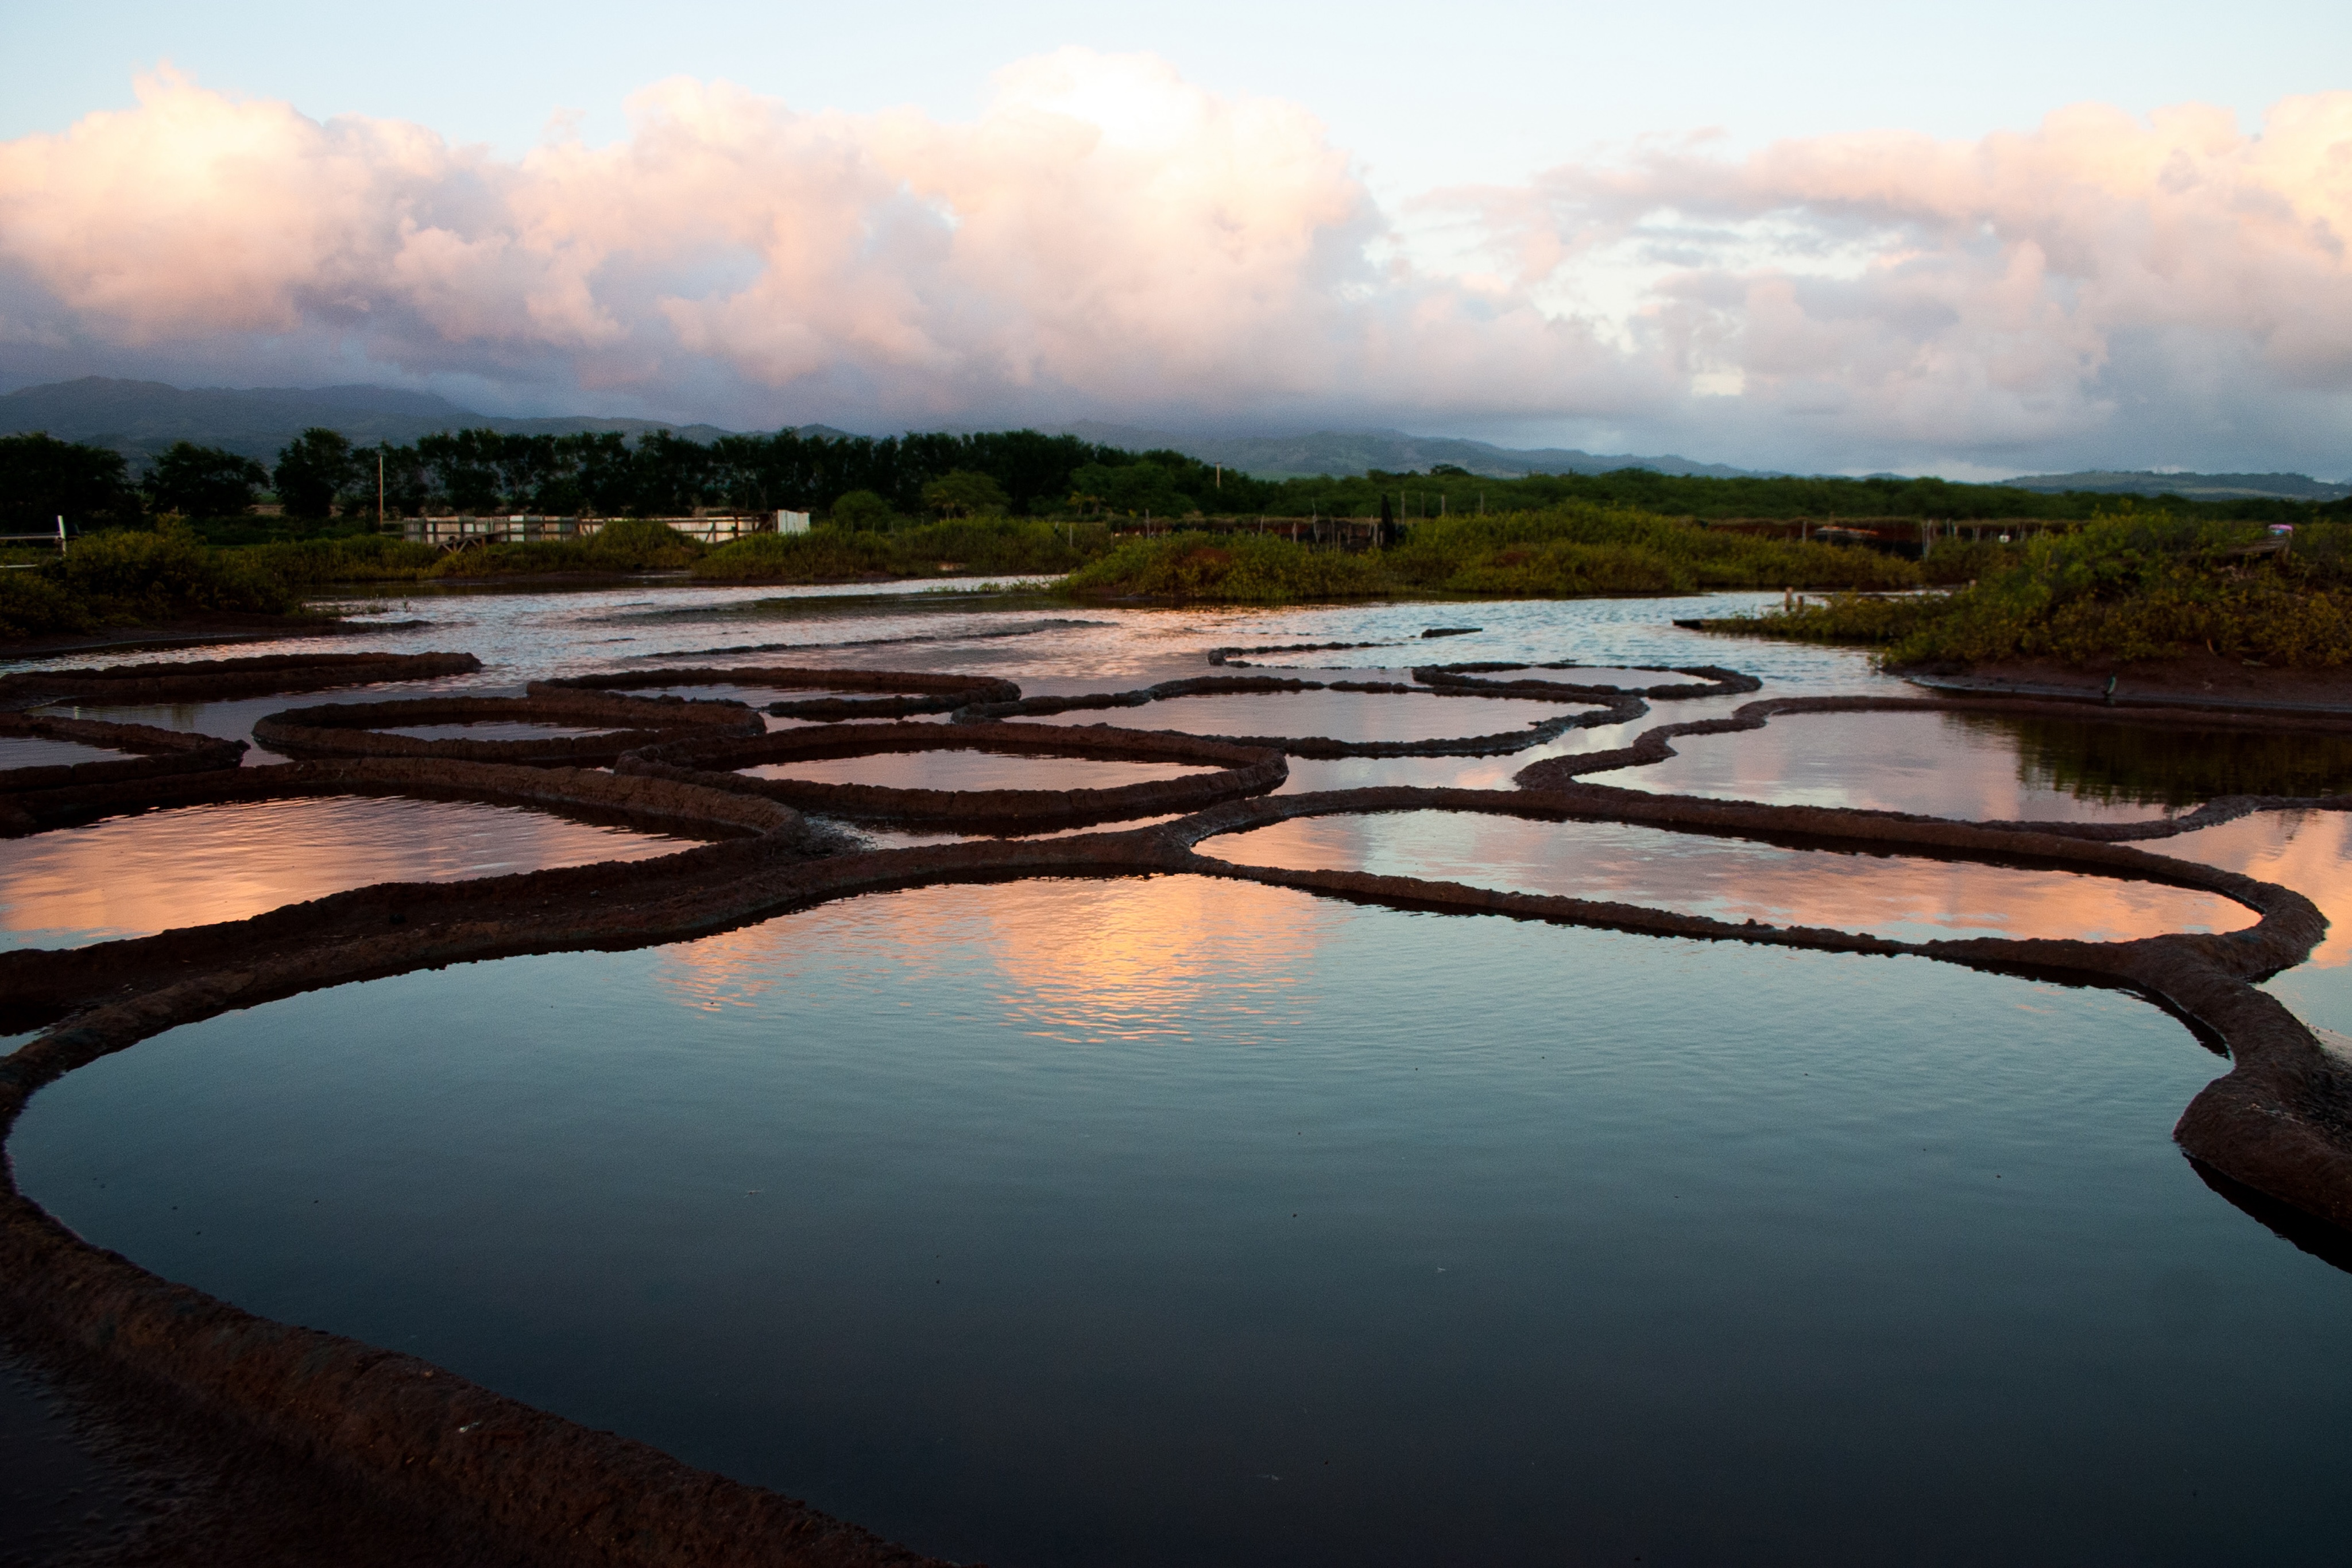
(2128, 587)
(134, 578)
(1229, 569)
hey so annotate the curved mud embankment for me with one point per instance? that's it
(625, 724)
(221, 680)
(2280, 1122)
(1238, 769)
(153, 753)
(1617, 709)
(913, 691)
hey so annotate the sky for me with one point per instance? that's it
(1819, 236)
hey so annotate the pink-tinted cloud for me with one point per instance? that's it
(1109, 240)
(1993, 293)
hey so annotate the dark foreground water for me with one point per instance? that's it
(1183, 1221)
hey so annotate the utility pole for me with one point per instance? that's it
(379, 489)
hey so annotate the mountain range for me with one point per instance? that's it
(140, 419)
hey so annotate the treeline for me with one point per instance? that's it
(867, 482)
(879, 484)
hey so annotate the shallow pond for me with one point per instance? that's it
(40, 751)
(1908, 898)
(191, 865)
(1187, 1221)
(973, 768)
(1991, 767)
(1336, 716)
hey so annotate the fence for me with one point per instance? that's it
(518, 528)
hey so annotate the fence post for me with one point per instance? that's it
(61, 536)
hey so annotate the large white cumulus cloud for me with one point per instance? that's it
(1109, 240)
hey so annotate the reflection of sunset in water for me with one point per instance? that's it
(130, 876)
(1128, 959)
(1921, 762)
(974, 770)
(1341, 715)
(1906, 898)
(2310, 851)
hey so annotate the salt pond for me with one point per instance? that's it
(1177, 1221)
(1182, 1221)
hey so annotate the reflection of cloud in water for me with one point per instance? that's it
(192, 865)
(1072, 960)
(1921, 762)
(2310, 851)
(1908, 898)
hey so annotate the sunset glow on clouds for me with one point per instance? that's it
(1109, 241)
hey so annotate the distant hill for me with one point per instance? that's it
(2190, 486)
(140, 419)
(1340, 452)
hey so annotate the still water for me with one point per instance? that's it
(1183, 1222)
(191, 865)
(1936, 764)
(1908, 898)
(970, 767)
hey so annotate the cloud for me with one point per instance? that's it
(1109, 240)
(2025, 290)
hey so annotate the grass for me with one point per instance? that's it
(2122, 589)
(130, 578)
(1568, 552)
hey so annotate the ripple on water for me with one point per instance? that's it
(1176, 1220)
(191, 865)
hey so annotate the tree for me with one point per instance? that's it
(43, 478)
(964, 494)
(313, 471)
(203, 481)
(861, 510)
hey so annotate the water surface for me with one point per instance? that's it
(1906, 897)
(1183, 1222)
(966, 768)
(192, 865)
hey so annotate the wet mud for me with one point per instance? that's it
(152, 754)
(1617, 709)
(911, 692)
(1233, 769)
(222, 680)
(622, 724)
(417, 1439)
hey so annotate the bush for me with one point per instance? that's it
(2123, 588)
(1229, 569)
(128, 578)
